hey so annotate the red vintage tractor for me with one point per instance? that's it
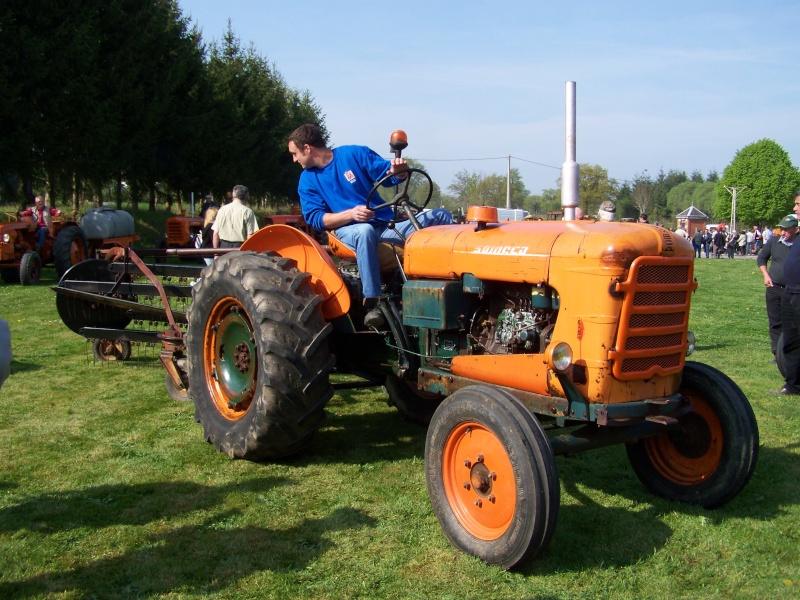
(67, 242)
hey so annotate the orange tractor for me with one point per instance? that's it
(516, 342)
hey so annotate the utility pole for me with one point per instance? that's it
(508, 184)
(734, 191)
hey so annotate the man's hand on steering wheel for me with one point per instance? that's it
(401, 202)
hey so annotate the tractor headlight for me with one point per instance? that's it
(691, 342)
(559, 356)
(6, 238)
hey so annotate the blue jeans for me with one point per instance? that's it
(41, 232)
(363, 239)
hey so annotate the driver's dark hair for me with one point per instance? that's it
(310, 134)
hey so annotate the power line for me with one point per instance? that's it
(486, 158)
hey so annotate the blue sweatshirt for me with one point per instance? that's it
(343, 184)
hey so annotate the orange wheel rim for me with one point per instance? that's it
(230, 358)
(479, 481)
(692, 453)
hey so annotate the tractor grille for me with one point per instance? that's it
(655, 317)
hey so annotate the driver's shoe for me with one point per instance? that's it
(374, 318)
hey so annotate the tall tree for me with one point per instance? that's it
(766, 181)
(642, 193)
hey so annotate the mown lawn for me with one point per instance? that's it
(107, 489)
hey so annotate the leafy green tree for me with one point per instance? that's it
(691, 193)
(767, 180)
(595, 187)
(663, 183)
(471, 188)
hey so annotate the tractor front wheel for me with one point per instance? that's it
(710, 457)
(258, 359)
(413, 404)
(30, 268)
(491, 476)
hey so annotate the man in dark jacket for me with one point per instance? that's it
(790, 318)
(775, 253)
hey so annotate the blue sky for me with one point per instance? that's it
(672, 85)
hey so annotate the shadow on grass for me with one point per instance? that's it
(109, 505)
(364, 438)
(201, 558)
(591, 534)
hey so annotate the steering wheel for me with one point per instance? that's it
(403, 207)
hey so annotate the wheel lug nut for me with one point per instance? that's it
(480, 458)
(478, 503)
(491, 498)
(465, 485)
(467, 464)
(493, 476)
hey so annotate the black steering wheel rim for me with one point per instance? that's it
(401, 198)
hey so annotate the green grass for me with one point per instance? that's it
(108, 490)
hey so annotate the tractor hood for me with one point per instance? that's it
(522, 251)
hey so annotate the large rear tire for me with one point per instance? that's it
(30, 268)
(69, 249)
(711, 456)
(258, 359)
(491, 475)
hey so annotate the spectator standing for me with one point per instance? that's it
(681, 231)
(757, 240)
(719, 242)
(707, 242)
(766, 235)
(732, 243)
(208, 202)
(235, 221)
(743, 243)
(770, 261)
(790, 318)
(206, 235)
(43, 215)
(697, 242)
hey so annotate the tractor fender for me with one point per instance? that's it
(311, 258)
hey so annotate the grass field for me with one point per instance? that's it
(107, 489)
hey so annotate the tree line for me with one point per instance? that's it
(121, 100)
(762, 172)
(105, 100)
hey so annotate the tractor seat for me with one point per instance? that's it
(386, 252)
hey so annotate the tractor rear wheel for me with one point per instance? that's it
(258, 359)
(69, 249)
(710, 457)
(491, 475)
(30, 268)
